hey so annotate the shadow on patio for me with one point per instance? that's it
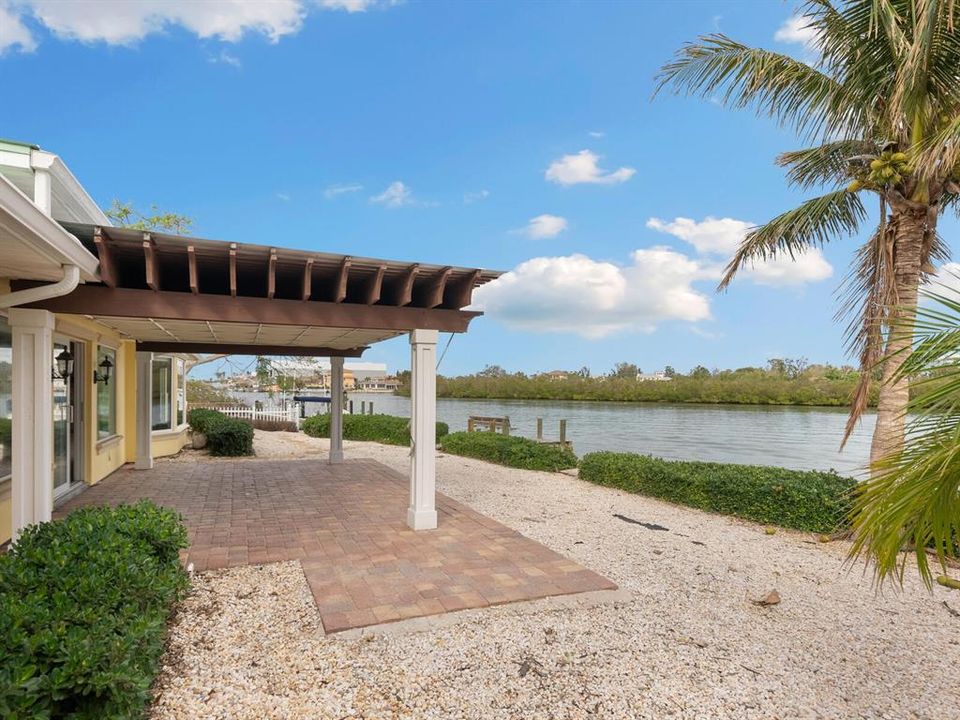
(345, 523)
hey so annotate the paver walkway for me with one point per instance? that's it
(346, 525)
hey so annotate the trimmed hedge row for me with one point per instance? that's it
(84, 603)
(509, 450)
(387, 429)
(804, 500)
(226, 436)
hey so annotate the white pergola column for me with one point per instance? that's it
(336, 410)
(31, 488)
(422, 513)
(144, 415)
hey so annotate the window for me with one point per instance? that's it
(6, 398)
(107, 396)
(181, 393)
(162, 393)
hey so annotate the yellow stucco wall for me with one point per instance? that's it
(102, 457)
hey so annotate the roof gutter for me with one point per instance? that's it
(64, 286)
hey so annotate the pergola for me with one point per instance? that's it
(171, 293)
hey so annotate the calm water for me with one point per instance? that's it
(799, 438)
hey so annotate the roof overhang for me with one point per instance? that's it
(173, 293)
(35, 246)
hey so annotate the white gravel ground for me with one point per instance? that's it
(691, 644)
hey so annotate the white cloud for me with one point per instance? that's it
(471, 197)
(125, 22)
(945, 282)
(227, 58)
(711, 236)
(283, 196)
(592, 298)
(397, 195)
(596, 133)
(583, 168)
(13, 33)
(796, 29)
(544, 226)
(719, 238)
(333, 191)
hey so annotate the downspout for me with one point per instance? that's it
(64, 286)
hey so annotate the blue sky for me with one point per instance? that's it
(451, 133)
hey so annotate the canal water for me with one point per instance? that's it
(794, 437)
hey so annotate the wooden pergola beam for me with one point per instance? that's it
(192, 267)
(108, 266)
(340, 286)
(244, 349)
(307, 287)
(233, 269)
(371, 293)
(403, 293)
(99, 300)
(152, 268)
(430, 295)
(461, 293)
(272, 274)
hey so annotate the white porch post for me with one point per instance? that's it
(31, 488)
(144, 416)
(336, 410)
(422, 513)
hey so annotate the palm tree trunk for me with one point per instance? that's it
(909, 228)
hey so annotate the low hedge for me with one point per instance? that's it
(226, 436)
(387, 429)
(84, 603)
(799, 499)
(509, 450)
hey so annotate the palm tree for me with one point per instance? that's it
(913, 500)
(880, 110)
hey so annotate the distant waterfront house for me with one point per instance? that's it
(387, 384)
(557, 375)
(659, 376)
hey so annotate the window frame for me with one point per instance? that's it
(168, 426)
(114, 395)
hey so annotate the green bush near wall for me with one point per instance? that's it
(387, 429)
(84, 603)
(6, 432)
(803, 500)
(509, 450)
(226, 436)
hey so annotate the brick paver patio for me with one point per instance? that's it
(345, 524)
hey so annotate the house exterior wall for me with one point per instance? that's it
(101, 457)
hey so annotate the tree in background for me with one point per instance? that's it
(126, 215)
(624, 371)
(881, 110)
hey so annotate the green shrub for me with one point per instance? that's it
(226, 436)
(387, 429)
(6, 432)
(509, 450)
(84, 603)
(230, 437)
(800, 499)
(201, 418)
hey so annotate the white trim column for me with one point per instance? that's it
(336, 410)
(31, 490)
(144, 414)
(422, 513)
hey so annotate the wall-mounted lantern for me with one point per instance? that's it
(64, 368)
(103, 375)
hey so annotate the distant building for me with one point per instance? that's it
(387, 384)
(658, 376)
(557, 375)
(318, 367)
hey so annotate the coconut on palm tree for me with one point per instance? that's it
(880, 111)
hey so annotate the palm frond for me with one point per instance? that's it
(774, 84)
(826, 163)
(913, 499)
(811, 224)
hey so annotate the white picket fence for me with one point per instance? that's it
(289, 414)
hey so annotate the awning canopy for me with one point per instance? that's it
(183, 294)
